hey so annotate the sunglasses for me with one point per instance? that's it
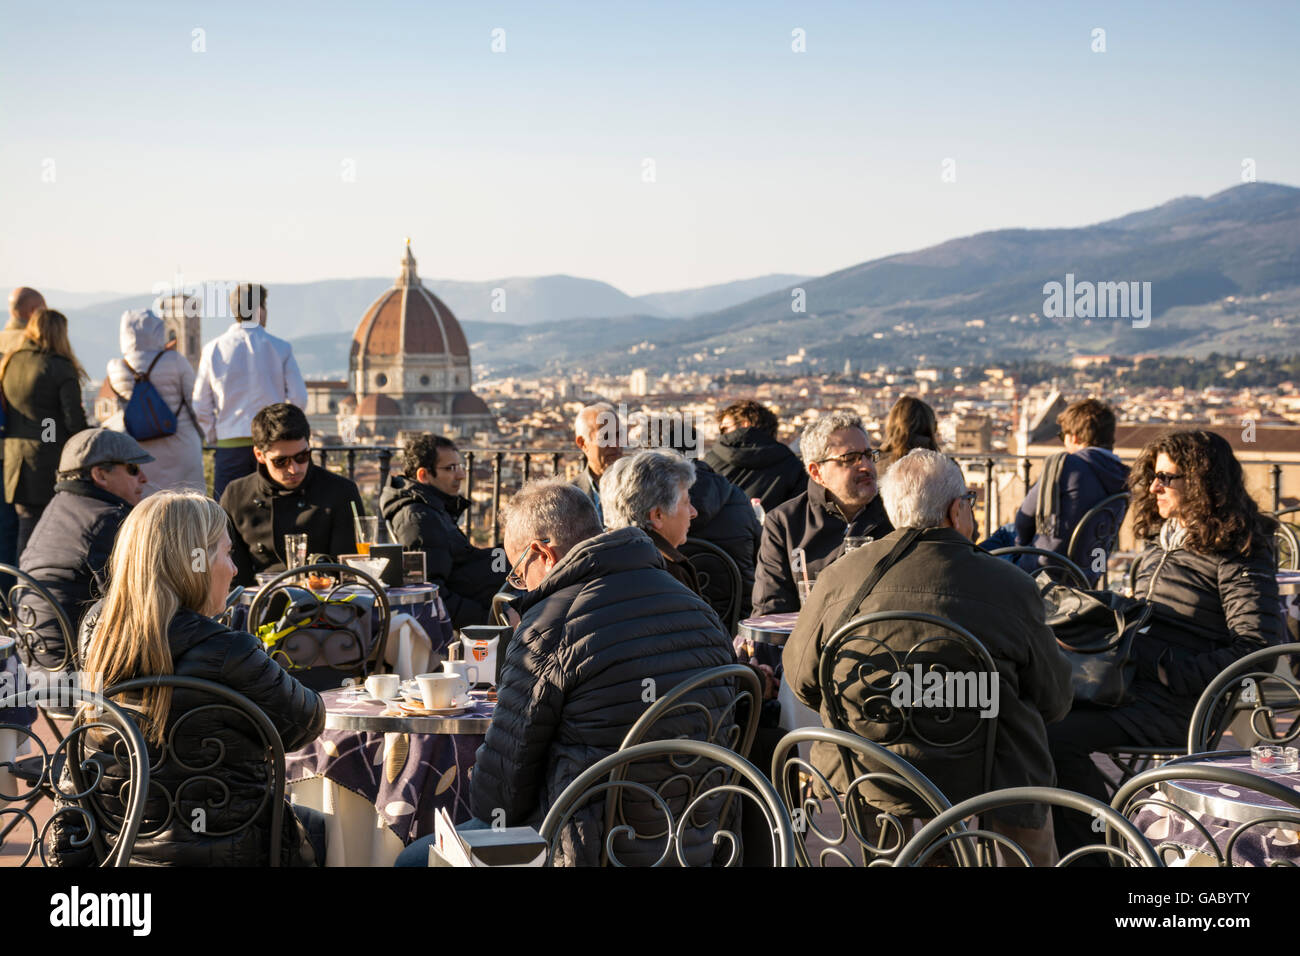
(132, 468)
(853, 458)
(1165, 478)
(282, 461)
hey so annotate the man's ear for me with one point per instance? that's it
(422, 476)
(581, 442)
(257, 454)
(815, 472)
(954, 512)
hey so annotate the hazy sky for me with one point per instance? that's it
(233, 162)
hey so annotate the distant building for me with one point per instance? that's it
(324, 400)
(409, 367)
(638, 382)
(183, 317)
(974, 435)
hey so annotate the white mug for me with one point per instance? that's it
(462, 668)
(383, 686)
(439, 691)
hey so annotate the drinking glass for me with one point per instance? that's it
(295, 551)
(367, 527)
(805, 584)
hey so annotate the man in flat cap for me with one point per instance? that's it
(100, 480)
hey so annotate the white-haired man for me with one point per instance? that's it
(840, 502)
(599, 435)
(931, 565)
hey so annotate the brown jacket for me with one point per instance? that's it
(42, 411)
(677, 564)
(946, 575)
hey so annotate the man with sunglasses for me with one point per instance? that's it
(288, 494)
(841, 501)
(423, 506)
(99, 481)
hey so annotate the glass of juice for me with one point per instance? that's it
(367, 527)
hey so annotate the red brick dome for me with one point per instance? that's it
(409, 319)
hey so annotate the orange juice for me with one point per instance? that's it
(363, 547)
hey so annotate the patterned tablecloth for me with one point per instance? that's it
(12, 680)
(407, 775)
(1266, 844)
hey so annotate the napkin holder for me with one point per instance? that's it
(481, 645)
(491, 846)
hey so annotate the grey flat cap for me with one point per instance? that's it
(99, 446)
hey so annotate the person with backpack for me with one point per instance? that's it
(153, 383)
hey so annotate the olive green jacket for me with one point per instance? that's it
(43, 410)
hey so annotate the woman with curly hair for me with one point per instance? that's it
(911, 424)
(1209, 573)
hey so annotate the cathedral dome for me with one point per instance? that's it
(409, 319)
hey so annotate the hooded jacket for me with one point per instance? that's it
(262, 512)
(760, 465)
(42, 396)
(814, 523)
(725, 517)
(943, 573)
(423, 518)
(1087, 476)
(232, 791)
(178, 463)
(606, 625)
(68, 553)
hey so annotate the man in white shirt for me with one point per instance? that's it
(242, 371)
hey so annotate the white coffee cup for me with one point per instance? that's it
(441, 690)
(464, 669)
(383, 686)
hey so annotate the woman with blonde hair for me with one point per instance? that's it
(41, 381)
(911, 424)
(170, 572)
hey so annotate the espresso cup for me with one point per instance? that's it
(462, 669)
(383, 686)
(439, 691)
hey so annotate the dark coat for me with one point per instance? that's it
(204, 648)
(726, 518)
(1087, 476)
(68, 553)
(944, 574)
(263, 512)
(1207, 611)
(676, 564)
(423, 518)
(602, 623)
(38, 387)
(812, 522)
(589, 484)
(760, 465)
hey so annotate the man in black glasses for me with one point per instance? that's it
(100, 480)
(288, 494)
(423, 506)
(809, 531)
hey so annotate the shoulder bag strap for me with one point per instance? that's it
(900, 547)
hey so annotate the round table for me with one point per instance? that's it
(347, 711)
(1230, 803)
(768, 628)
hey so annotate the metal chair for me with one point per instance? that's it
(323, 656)
(1260, 685)
(1130, 801)
(20, 618)
(1286, 542)
(670, 801)
(1124, 843)
(732, 729)
(1102, 521)
(1071, 570)
(201, 794)
(720, 579)
(852, 808)
(111, 836)
(898, 721)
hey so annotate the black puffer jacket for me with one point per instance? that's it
(726, 518)
(605, 621)
(204, 648)
(68, 553)
(424, 518)
(1208, 610)
(760, 465)
(262, 512)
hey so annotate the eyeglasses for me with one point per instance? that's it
(1164, 477)
(515, 578)
(456, 466)
(969, 497)
(852, 459)
(282, 461)
(131, 467)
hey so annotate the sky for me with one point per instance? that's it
(653, 146)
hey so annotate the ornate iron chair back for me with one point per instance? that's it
(679, 800)
(1264, 685)
(1286, 543)
(1130, 801)
(1101, 522)
(112, 836)
(1064, 567)
(925, 656)
(28, 612)
(801, 785)
(720, 579)
(201, 796)
(1124, 843)
(323, 662)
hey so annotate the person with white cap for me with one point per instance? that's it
(99, 481)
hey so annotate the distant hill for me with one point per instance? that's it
(710, 298)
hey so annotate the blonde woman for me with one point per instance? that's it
(170, 572)
(41, 381)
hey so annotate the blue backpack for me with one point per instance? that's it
(147, 416)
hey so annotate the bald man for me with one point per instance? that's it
(24, 302)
